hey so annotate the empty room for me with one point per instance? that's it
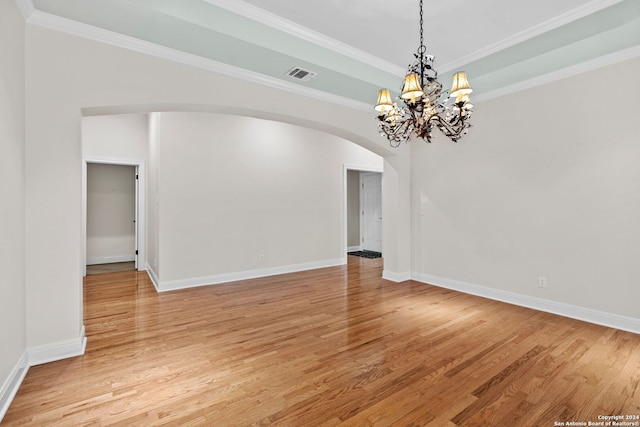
(334, 213)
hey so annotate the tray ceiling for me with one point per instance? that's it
(357, 46)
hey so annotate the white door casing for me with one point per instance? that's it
(135, 218)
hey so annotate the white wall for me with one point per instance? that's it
(353, 208)
(547, 183)
(118, 137)
(12, 187)
(111, 210)
(66, 75)
(396, 214)
(153, 200)
(233, 189)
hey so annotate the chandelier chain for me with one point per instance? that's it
(421, 26)
(422, 49)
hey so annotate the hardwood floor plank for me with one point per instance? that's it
(334, 347)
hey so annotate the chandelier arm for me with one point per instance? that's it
(455, 128)
(397, 133)
(403, 132)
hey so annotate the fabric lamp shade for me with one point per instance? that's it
(412, 88)
(384, 103)
(460, 85)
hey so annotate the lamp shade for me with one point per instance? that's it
(384, 103)
(412, 88)
(460, 85)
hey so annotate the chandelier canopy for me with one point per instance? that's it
(425, 104)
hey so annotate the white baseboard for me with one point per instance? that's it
(354, 248)
(111, 259)
(58, 351)
(154, 278)
(12, 384)
(173, 285)
(610, 320)
(396, 277)
(37, 356)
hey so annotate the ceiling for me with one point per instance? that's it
(357, 46)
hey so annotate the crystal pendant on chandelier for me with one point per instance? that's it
(425, 104)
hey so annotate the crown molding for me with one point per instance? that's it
(69, 26)
(551, 24)
(602, 61)
(272, 20)
(91, 32)
(26, 8)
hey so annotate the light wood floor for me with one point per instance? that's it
(335, 346)
(111, 267)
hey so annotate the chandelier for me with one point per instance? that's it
(425, 104)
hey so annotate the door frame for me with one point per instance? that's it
(140, 239)
(359, 168)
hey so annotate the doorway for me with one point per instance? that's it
(371, 208)
(113, 217)
(363, 212)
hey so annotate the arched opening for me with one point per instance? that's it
(290, 178)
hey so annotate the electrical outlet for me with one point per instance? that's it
(261, 257)
(542, 282)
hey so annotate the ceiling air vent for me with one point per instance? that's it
(300, 74)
